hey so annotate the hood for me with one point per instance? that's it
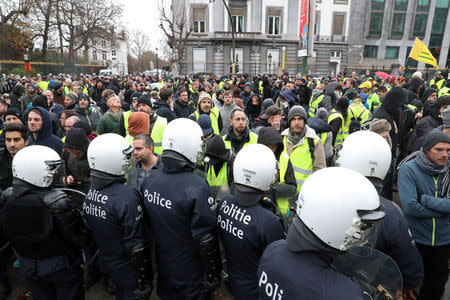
(100, 180)
(432, 110)
(394, 99)
(47, 127)
(158, 104)
(252, 109)
(331, 87)
(318, 125)
(414, 84)
(316, 93)
(427, 94)
(270, 136)
(248, 83)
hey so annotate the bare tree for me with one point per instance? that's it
(9, 10)
(176, 27)
(44, 14)
(138, 43)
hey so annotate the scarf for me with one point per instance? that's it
(430, 168)
(295, 138)
(116, 116)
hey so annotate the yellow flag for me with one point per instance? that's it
(421, 53)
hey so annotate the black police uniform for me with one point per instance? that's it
(183, 222)
(47, 234)
(246, 229)
(300, 268)
(114, 215)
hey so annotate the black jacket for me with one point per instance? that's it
(183, 110)
(162, 109)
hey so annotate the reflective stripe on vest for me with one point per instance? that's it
(214, 116)
(301, 161)
(126, 115)
(343, 131)
(323, 137)
(314, 104)
(438, 83)
(219, 180)
(253, 140)
(157, 133)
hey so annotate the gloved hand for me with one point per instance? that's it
(211, 281)
(144, 289)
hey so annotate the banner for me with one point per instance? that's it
(304, 28)
(421, 53)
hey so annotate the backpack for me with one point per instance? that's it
(355, 124)
(311, 147)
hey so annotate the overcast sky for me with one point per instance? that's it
(144, 14)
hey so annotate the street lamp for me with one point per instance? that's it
(157, 70)
(269, 58)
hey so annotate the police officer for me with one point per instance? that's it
(182, 217)
(369, 154)
(246, 226)
(114, 215)
(335, 210)
(48, 243)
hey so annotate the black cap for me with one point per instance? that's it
(145, 99)
(76, 139)
(215, 148)
(135, 96)
(14, 111)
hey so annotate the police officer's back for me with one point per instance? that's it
(114, 214)
(44, 229)
(246, 226)
(331, 217)
(182, 217)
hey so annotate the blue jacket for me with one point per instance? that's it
(428, 219)
(45, 136)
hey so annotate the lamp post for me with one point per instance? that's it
(269, 58)
(157, 70)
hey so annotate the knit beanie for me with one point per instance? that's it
(76, 139)
(73, 96)
(12, 110)
(138, 123)
(433, 138)
(322, 114)
(203, 96)
(297, 110)
(446, 117)
(144, 99)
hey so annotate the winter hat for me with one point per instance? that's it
(73, 96)
(288, 95)
(442, 101)
(322, 114)
(297, 110)
(303, 79)
(218, 93)
(138, 123)
(135, 96)
(76, 139)
(144, 99)
(266, 103)
(215, 148)
(205, 123)
(271, 111)
(342, 104)
(57, 85)
(381, 125)
(33, 86)
(14, 111)
(203, 96)
(446, 117)
(433, 138)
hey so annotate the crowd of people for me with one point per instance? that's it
(107, 169)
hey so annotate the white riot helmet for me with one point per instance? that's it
(255, 166)
(365, 152)
(109, 153)
(339, 206)
(36, 165)
(183, 136)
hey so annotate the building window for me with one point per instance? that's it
(317, 23)
(420, 24)
(423, 5)
(103, 55)
(376, 17)
(199, 16)
(94, 54)
(439, 22)
(274, 22)
(338, 24)
(237, 15)
(391, 52)
(398, 18)
(370, 51)
(335, 54)
(340, 1)
(93, 42)
(113, 43)
(113, 54)
(103, 43)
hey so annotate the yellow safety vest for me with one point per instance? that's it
(343, 131)
(129, 139)
(157, 133)
(314, 104)
(220, 179)
(301, 160)
(323, 137)
(67, 90)
(438, 83)
(261, 89)
(126, 116)
(253, 140)
(43, 85)
(444, 91)
(357, 112)
(214, 116)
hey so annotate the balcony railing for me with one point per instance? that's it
(330, 38)
(238, 35)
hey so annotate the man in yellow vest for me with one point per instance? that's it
(302, 147)
(317, 96)
(204, 107)
(439, 80)
(358, 111)
(338, 121)
(218, 163)
(239, 135)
